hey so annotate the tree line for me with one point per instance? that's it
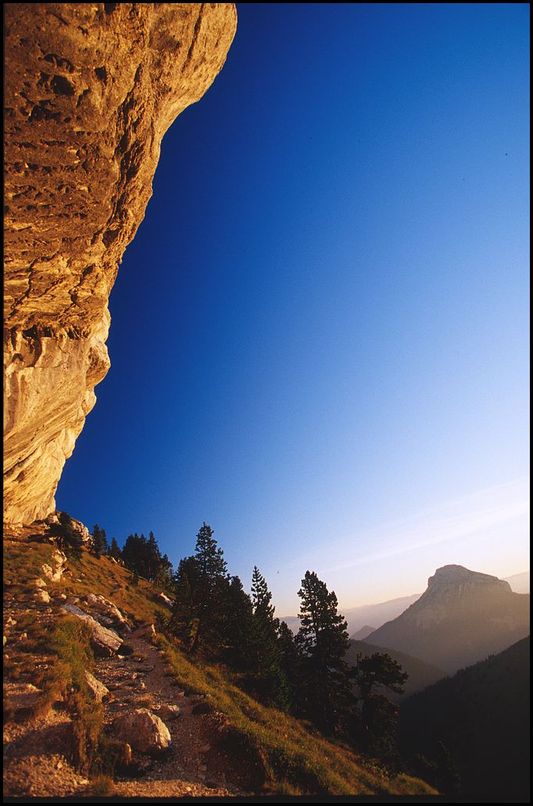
(305, 674)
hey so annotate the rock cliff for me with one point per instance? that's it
(90, 90)
(460, 619)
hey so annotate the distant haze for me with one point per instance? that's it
(519, 582)
(378, 614)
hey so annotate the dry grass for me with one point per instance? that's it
(102, 786)
(298, 759)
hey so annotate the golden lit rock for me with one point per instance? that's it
(90, 89)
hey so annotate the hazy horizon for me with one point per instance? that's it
(403, 595)
(320, 334)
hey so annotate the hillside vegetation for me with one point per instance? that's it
(288, 755)
(420, 673)
(470, 733)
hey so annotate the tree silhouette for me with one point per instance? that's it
(200, 586)
(376, 730)
(326, 695)
(271, 682)
(114, 550)
(209, 556)
(99, 541)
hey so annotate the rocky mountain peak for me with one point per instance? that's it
(456, 579)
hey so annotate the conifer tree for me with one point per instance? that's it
(232, 626)
(376, 728)
(99, 541)
(322, 641)
(184, 619)
(289, 662)
(114, 550)
(265, 652)
(209, 556)
(261, 597)
(200, 586)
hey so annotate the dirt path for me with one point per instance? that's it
(34, 749)
(142, 679)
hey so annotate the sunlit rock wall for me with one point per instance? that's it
(90, 89)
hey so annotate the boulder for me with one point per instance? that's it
(39, 583)
(42, 596)
(168, 711)
(96, 688)
(107, 611)
(55, 571)
(143, 730)
(105, 641)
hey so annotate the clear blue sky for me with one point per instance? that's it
(319, 336)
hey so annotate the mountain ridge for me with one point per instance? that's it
(481, 717)
(461, 618)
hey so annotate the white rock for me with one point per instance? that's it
(144, 731)
(105, 642)
(105, 608)
(55, 571)
(39, 583)
(42, 596)
(96, 687)
(165, 599)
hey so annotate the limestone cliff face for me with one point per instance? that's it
(90, 90)
(460, 619)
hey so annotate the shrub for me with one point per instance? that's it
(102, 785)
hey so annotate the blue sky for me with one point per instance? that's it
(319, 336)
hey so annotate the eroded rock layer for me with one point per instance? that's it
(90, 90)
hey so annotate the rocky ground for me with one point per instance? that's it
(139, 682)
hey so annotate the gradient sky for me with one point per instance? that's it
(319, 336)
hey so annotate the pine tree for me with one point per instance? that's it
(209, 556)
(163, 576)
(379, 669)
(265, 655)
(231, 624)
(322, 641)
(99, 541)
(289, 662)
(261, 597)
(153, 557)
(143, 555)
(184, 619)
(114, 550)
(376, 729)
(200, 586)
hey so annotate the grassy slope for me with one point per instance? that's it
(297, 758)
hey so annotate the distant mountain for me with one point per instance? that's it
(361, 634)
(476, 724)
(421, 674)
(358, 617)
(463, 617)
(519, 582)
(377, 614)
